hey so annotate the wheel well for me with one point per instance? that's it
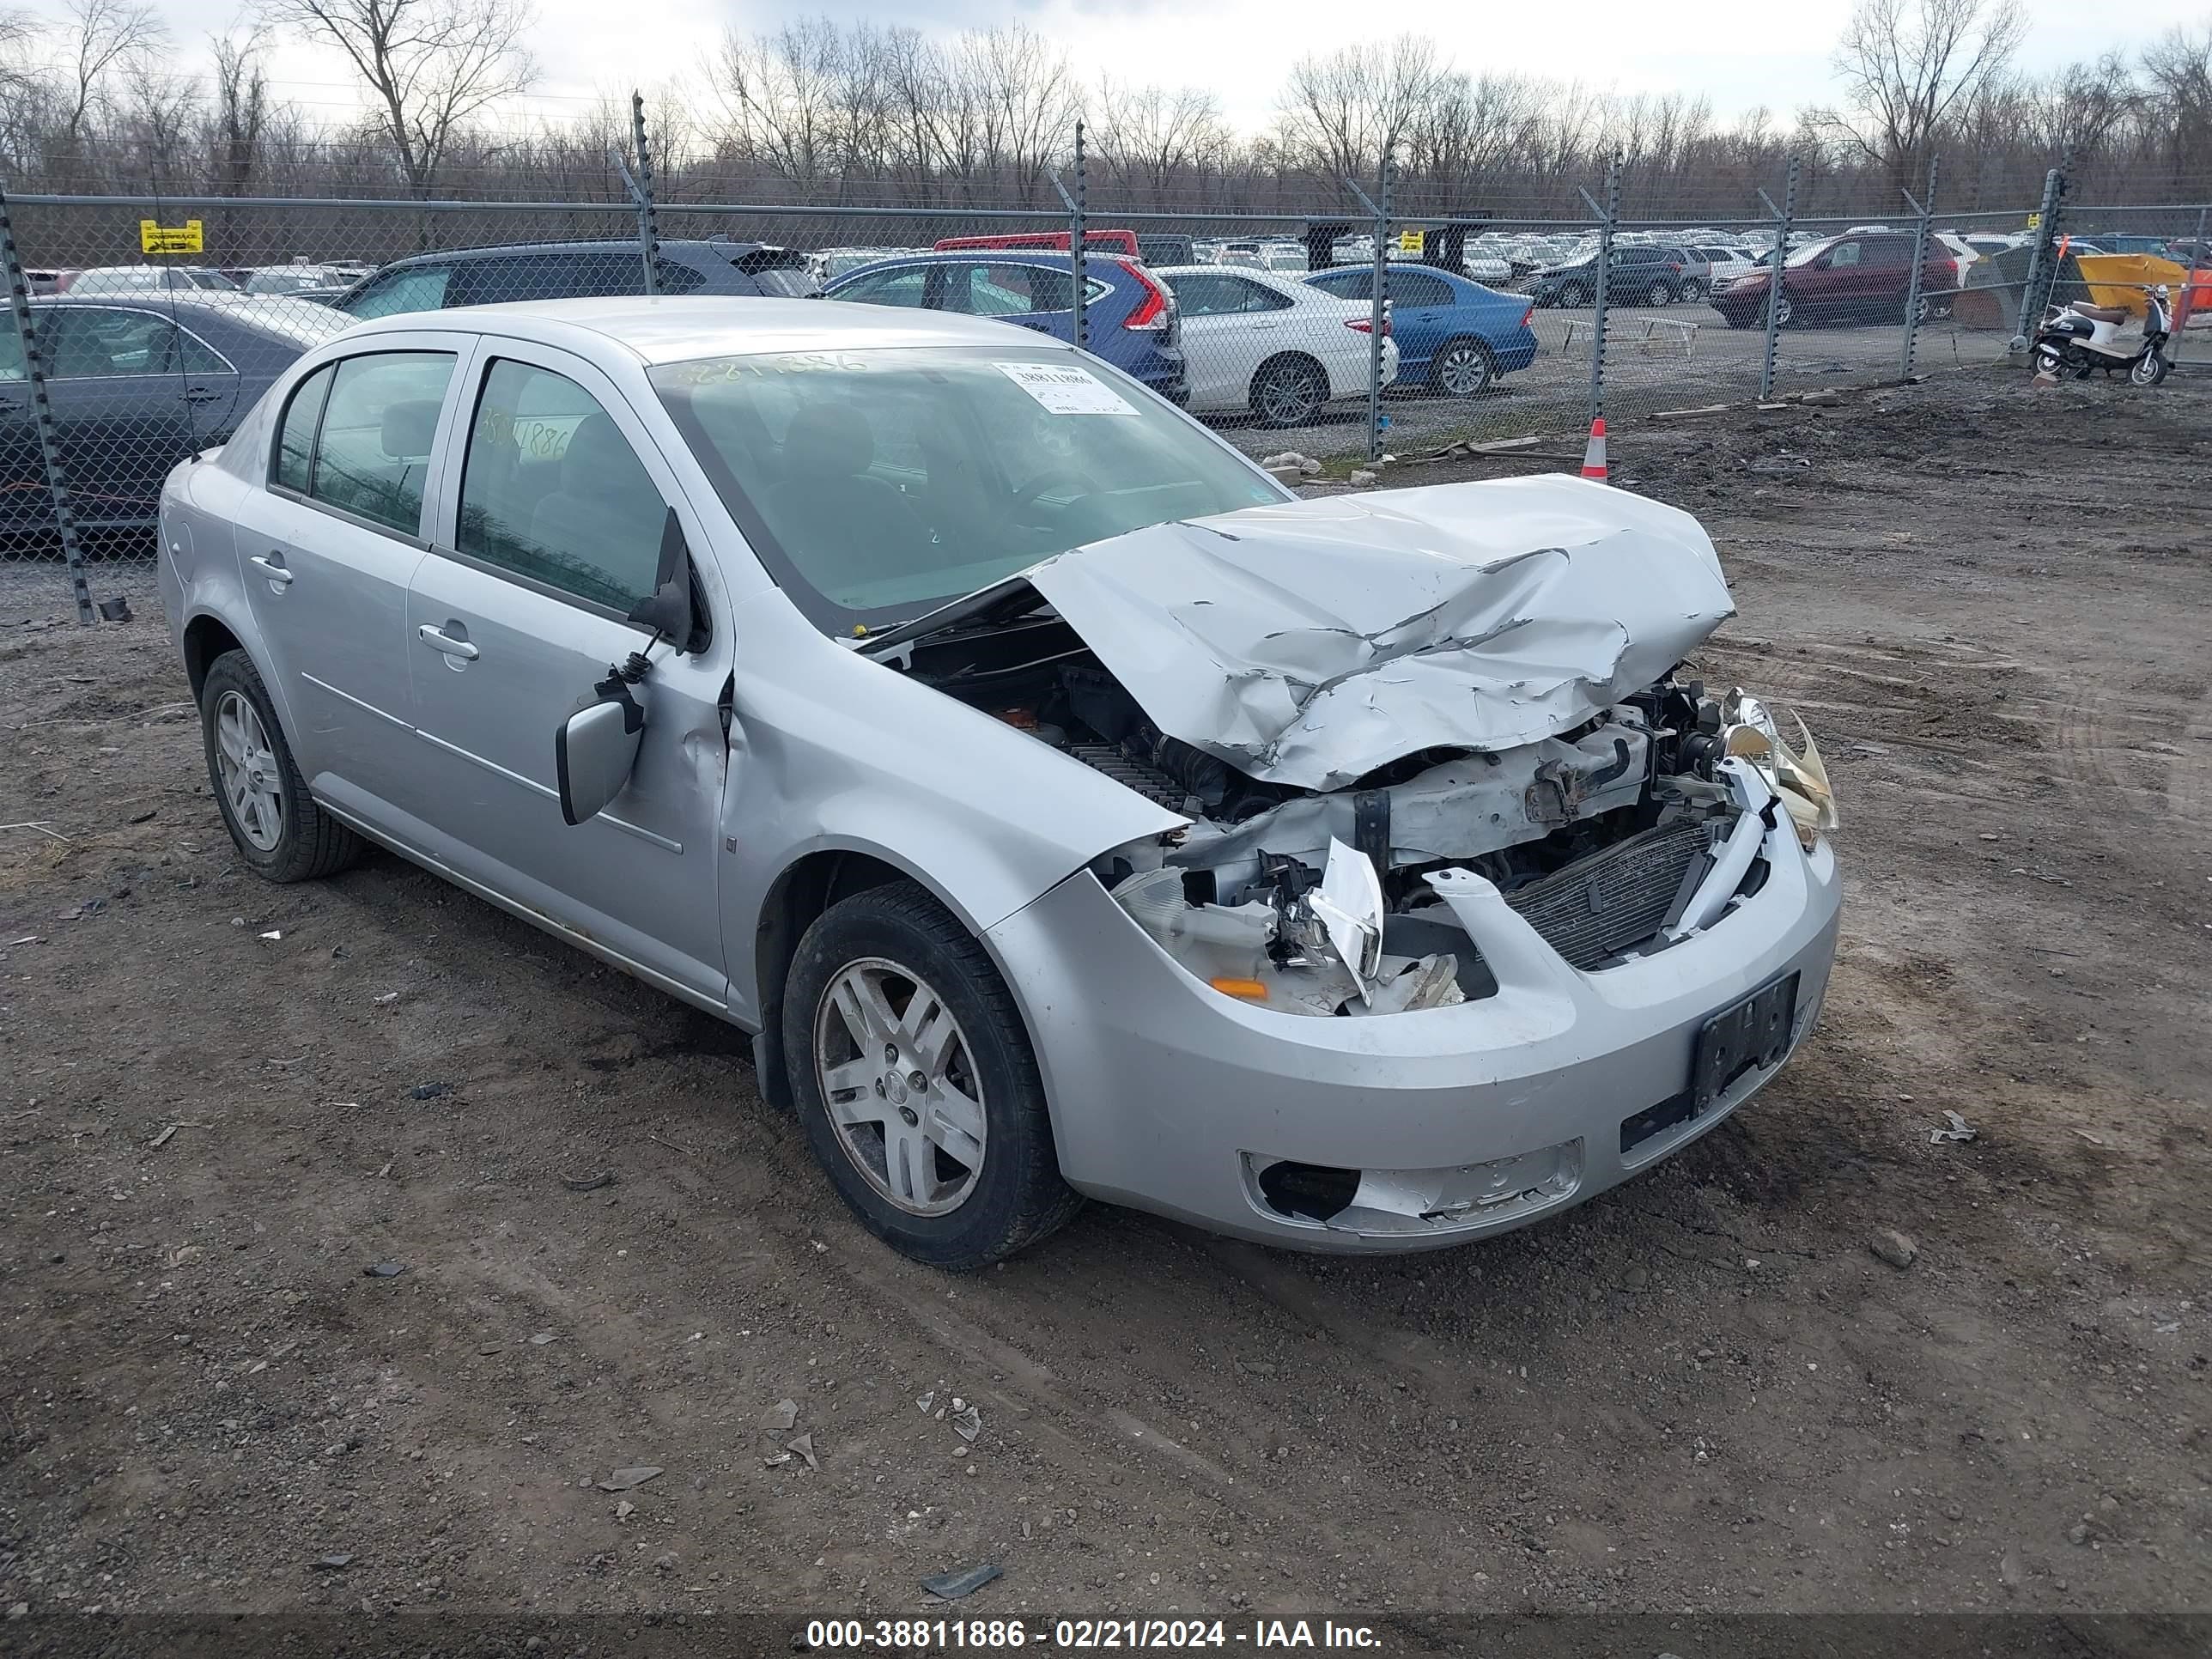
(1305, 357)
(205, 639)
(799, 895)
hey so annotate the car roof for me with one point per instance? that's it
(677, 328)
(1055, 256)
(581, 245)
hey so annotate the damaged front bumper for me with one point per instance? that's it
(1413, 1131)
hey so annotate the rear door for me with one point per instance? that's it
(326, 549)
(1033, 297)
(1229, 327)
(23, 499)
(548, 534)
(127, 408)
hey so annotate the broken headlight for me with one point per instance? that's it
(1752, 730)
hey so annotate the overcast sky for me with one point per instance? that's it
(1741, 53)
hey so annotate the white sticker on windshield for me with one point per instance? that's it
(1066, 388)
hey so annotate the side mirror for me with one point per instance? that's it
(672, 612)
(594, 749)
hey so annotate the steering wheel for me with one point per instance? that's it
(1036, 487)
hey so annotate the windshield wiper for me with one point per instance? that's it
(987, 608)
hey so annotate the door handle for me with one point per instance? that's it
(272, 566)
(201, 394)
(438, 640)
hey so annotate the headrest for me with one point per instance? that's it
(409, 427)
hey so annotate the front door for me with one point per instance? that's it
(326, 553)
(549, 533)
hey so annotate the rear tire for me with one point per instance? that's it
(945, 1196)
(1463, 368)
(1288, 390)
(275, 824)
(1692, 291)
(1660, 294)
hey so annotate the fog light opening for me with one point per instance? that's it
(1315, 1191)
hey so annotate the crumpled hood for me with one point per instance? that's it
(1308, 643)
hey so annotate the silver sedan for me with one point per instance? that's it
(1064, 806)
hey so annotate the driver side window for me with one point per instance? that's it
(552, 490)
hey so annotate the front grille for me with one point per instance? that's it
(1601, 905)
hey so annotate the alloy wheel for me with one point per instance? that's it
(900, 1086)
(1287, 394)
(1463, 370)
(247, 766)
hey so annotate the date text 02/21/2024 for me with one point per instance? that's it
(995, 1635)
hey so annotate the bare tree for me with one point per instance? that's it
(1343, 110)
(431, 66)
(241, 110)
(105, 38)
(1908, 65)
(1150, 138)
(2179, 67)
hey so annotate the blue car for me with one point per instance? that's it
(1453, 334)
(1132, 317)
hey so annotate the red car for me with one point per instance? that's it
(1863, 277)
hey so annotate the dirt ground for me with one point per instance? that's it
(1699, 1392)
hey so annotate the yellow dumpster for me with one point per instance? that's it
(2119, 279)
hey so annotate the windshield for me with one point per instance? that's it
(877, 484)
(1807, 254)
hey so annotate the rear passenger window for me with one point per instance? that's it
(295, 444)
(888, 287)
(419, 288)
(553, 491)
(374, 444)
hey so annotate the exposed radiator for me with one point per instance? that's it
(1609, 901)
(1155, 786)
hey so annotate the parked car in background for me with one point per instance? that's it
(324, 283)
(1724, 264)
(1130, 315)
(1861, 278)
(961, 684)
(1641, 275)
(136, 385)
(1487, 267)
(47, 280)
(1161, 249)
(1453, 335)
(557, 271)
(147, 279)
(1268, 347)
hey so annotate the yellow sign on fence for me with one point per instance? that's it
(1409, 241)
(170, 238)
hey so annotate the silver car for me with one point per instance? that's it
(1064, 806)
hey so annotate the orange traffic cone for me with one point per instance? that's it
(1593, 456)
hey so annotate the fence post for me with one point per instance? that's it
(1073, 200)
(1378, 317)
(1609, 216)
(2188, 300)
(648, 224)
(1077, 235)
(42, 414)
(1920, 233)
(2046, 233)
(1783, 216)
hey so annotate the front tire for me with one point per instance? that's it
(1692, 291)
(1573, 297)
(2149, 370)
(277, 826)
(916, 1084)
(1660, 294)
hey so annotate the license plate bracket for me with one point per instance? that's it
(1754, 1033)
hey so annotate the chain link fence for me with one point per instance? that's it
(142, 329)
